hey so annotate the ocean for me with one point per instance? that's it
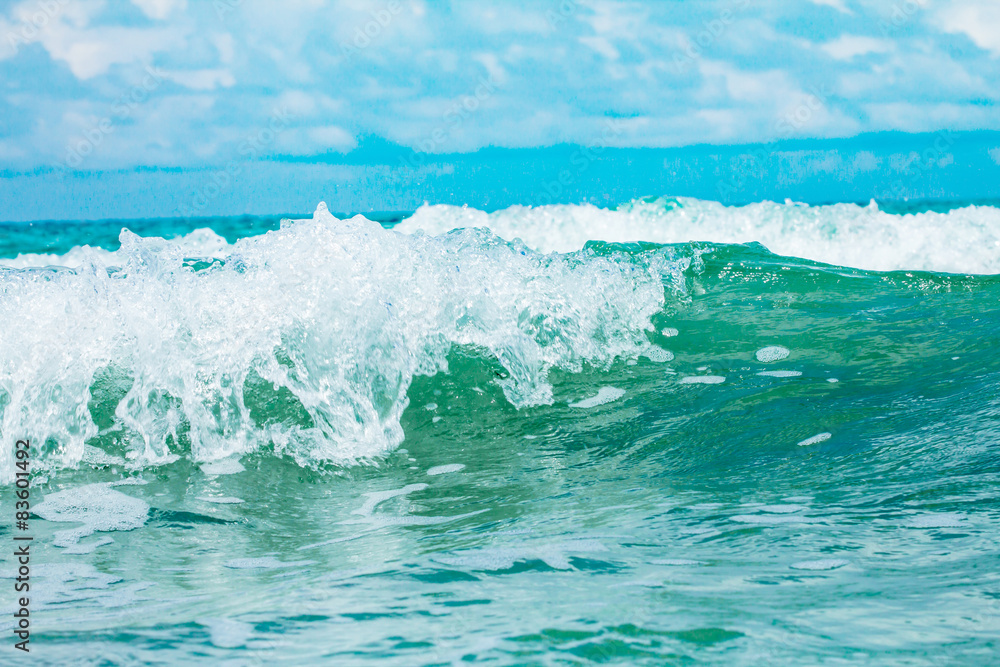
(670, 432)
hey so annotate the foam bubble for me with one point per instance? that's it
(445, 469)
(604, 395)
(658, 354)
(703, 379)
(780, 374)
(816, 439)
(223, 467)
(766, 355)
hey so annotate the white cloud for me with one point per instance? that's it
(159, 9)
(202, 79)
(331, 137)
(978, 19)
(847, 47)
(839, 5)
(768, 86)
(302, 104)
(93, 52)
(225, 45)
(602, 46)
(910, 117)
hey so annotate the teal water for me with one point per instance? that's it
(626, 437)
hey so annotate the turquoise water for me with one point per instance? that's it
(668, 433)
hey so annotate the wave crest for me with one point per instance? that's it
(306, 338)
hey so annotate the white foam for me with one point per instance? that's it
(445, 469)
(227, 632)
(658, 354)
(703, 379)
(97, 506)
(816, 439)
(766, 355)
(604, 395)
(340, 315)
(374, 498)
(963, 240)
(223, 467)
(129, 481)
(221, 500)
(780, 374)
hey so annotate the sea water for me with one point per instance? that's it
(672, 432)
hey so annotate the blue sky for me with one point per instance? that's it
(97, 85)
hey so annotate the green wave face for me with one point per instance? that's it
(409, 448)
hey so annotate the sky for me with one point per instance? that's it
(92, 87)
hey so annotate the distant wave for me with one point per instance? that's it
(307, 339)
(962, 240)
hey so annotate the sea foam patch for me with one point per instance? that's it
(772, 353)
(604, 395)
(97, 506)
